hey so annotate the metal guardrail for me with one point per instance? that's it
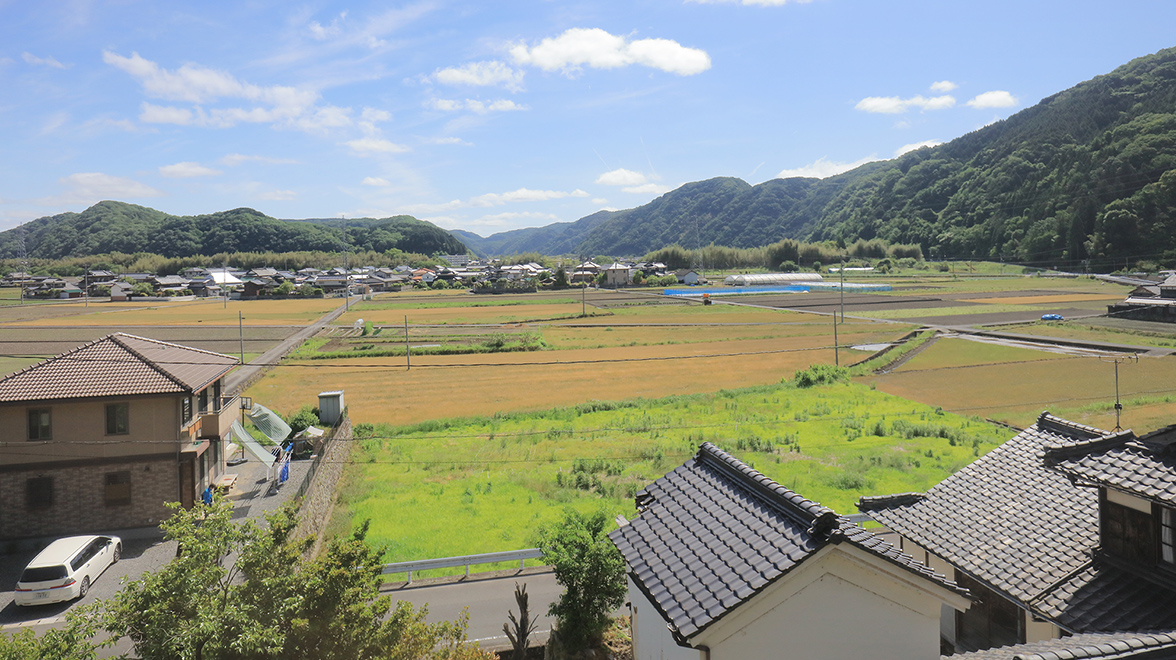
(468, 560)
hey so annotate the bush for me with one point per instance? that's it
(306, 416)
(820, 374)
(592, 573)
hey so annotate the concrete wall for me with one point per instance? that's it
(319, 497)
(79, 498)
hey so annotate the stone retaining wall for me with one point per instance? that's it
(319, 497)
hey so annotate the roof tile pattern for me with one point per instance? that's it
(1090, 646)
(116, 365)
(1144, 466)
(714, 532)
(1005, 519)
(1105, 597)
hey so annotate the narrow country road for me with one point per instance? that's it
(236, 382)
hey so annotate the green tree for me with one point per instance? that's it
(592, 573)
(270, 602)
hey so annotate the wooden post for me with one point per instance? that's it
(407, 348)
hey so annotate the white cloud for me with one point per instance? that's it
(943, 86)
(907, 148)
(621, 177)
(599, 200)
(322, 32)
(481, 74)
(501, 219)
(993, 99)
(187, 170)
(523, 195)
(54, 122)
(648, 189)
(278, 195)
(233, 160)
(823, 168)
(374, 145)
(202, 87)
(895, 105)
(373, 115)
(598, 49)
(91, 187)
(376, 181)
(473, 105)
(39, 61)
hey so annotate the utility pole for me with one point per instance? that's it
(842, 271)
(407, 347)
(241, 334)
(836, 351)
(583, 304)
(1118, 405)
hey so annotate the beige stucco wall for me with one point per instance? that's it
(79, 431)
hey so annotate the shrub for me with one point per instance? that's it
(820, 374)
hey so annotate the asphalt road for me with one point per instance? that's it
(488, 600)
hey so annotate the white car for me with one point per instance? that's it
(66, 569)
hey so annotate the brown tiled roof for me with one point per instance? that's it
(117, 365)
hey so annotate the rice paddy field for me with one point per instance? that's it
(482, 484)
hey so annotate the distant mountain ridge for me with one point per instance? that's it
(120, 227)
(1088, 174)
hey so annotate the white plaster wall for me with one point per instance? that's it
(651, 638)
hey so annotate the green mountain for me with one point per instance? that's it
(557, 238)
(121, 227)
(1088, 174)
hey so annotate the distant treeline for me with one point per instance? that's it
(776, 255)
(143, 262)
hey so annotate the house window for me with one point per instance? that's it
(118, 488)
(40, 424)
(118, 418)
(39, 493)
(1168, 535)
(186, 410)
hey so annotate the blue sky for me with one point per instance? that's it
(489, 116)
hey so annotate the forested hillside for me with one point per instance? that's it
(1087, 175)
(110, 227)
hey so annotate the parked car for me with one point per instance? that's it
(1052, 317)
(66, 569)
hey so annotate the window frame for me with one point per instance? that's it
(48, 427)
(121, 482)
(1167, 536)
(39, 493)
(113, 429)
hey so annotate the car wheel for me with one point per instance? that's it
(117, 554)
(85, 587)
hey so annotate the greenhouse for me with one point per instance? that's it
(771, 279)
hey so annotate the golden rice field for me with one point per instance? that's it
(1014, 386)
(187, 312)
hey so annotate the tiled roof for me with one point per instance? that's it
(1090, 646)
(117, 365)
(1145, 466)
(1026, 531)
(1005, 519)
(714, 532)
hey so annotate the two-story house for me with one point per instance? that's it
(100, 437)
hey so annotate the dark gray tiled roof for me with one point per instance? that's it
(117, 365)
(714, 532)
(1028, 532)
(1106, 597)
(1090, 646)
(1006, 519)
(1145, 466)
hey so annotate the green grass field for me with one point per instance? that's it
(463, 486)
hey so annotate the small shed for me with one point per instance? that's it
(331, 407)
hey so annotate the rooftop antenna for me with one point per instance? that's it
(1118, 405)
